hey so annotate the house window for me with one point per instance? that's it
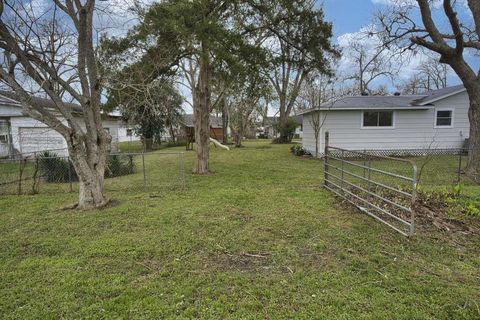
(377, 119)
(129, 132)
(443, 118)
(3, 132)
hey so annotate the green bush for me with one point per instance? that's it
(298, 150)
(119, 165)
(57, 169)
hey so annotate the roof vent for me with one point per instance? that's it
(396, 93)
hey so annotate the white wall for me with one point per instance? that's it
(122, 135)
(38, 137)
(413, 129)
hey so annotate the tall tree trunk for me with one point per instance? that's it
(172, 133)
(473, 166)
(238, 136)
(201, 114)
(224, 122)
(282, 119)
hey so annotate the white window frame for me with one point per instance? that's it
(394, 116)
(435, 118)
(5, 134)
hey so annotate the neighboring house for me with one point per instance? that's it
(216, 128)
(436, 119)
(20, 134)
(270, 132)
(126, 133)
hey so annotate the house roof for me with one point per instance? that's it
(43, 102)
(434, 95)
(271, 120)
(8, 98)
(215, 122)
(408, 102)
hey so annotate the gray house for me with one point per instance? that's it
(436, 119)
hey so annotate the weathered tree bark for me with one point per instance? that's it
(201, 114)
(237, 138)
(91, 181)
(473, 165)
(472, 85)
(224, 122)
(89, 162)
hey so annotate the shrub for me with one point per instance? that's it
(119, 165)
(58, 169)
(299, 150)
(472, 210)
(55, 168)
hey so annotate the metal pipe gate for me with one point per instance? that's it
(383, 187)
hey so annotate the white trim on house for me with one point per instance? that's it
(429, 101)
(435, 115)
(376, 127)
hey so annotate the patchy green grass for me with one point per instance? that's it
(137, 146)
(258, 238)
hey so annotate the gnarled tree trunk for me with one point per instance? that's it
(90, 163)
(473, 166)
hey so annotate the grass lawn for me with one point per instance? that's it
(258, 238)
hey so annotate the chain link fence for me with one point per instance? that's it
(436, 167)
(48, 172)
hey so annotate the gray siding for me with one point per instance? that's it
(412, 129)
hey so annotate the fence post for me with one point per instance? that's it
(34, 176)
(143, 169)
(414, 199)
(369, 184)
(459, 176)
(20, 174)
(364, 163)
(325, 170)
(342, 176)
(70, 174)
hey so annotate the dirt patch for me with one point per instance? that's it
(433, 213)
(244, 261)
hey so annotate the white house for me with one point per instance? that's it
(126, 133)
(20, 134)
(436, 119)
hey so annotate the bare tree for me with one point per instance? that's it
(452, 43)
(56, 51)
(431, 75)
(315, 92)
(371, 61)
